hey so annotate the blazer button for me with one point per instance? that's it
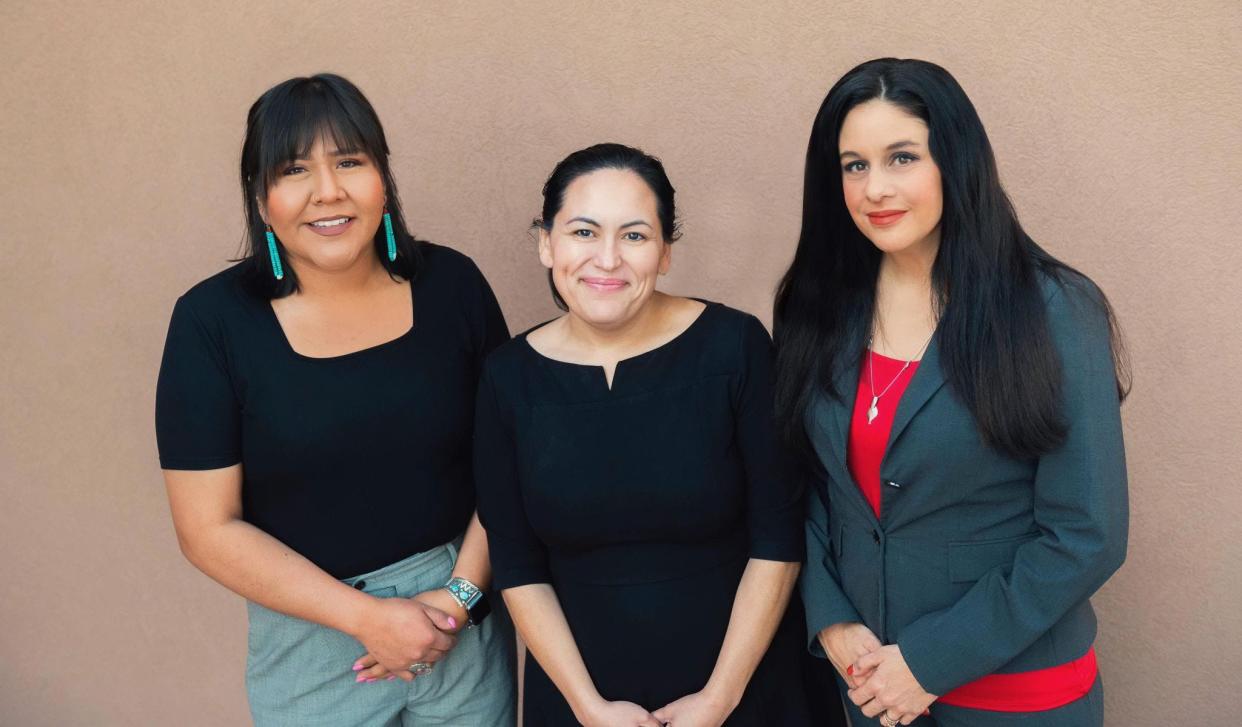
(360, 585)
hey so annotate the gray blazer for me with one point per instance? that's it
(980, 562)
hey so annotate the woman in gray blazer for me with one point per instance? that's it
(956, 392)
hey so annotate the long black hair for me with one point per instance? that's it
(608, 156)
(282, 126)
(995, 345)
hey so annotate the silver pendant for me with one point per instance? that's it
(873, 411)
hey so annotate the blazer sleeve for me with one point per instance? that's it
(1081, 510)
(826, 604)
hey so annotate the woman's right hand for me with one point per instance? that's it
(398, 632)
(845, 643)
(619, 714)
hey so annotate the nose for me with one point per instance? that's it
(608, 254)
(328, 188)
(878, 186)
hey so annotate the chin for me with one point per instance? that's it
(605, 314)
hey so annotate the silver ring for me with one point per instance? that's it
(421, 668)
(889, 721)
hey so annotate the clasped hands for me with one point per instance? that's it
(701, 709)
(880, 681)
(398, 632)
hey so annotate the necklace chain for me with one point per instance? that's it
(874, 410)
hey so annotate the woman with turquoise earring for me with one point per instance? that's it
(314, 414)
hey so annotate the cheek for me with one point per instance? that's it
(284, 203)
(853, 194)
(567, 257)
(368, 191)
(646, 260)
(926, 192)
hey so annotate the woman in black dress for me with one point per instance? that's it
(642, 525)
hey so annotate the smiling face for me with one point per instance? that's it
(325, 208)
(891, 184)
(605, 247)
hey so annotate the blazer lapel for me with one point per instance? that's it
(926, 382)
(832, 419)
(846, 382)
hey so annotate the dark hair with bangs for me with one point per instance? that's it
(608, 156)
(995, 345)
(282, 126)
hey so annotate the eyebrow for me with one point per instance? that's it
(336, 153)
(895, 145)
(590, 221)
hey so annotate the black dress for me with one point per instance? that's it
(641, 506)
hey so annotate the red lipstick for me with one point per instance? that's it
(885, 218)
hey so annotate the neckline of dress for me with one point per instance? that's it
(707, 305)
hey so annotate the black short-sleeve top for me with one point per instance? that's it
(353, 461)
(674, 469)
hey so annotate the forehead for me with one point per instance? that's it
(605, 193)
(876, 124)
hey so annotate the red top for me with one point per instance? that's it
(1028, 691)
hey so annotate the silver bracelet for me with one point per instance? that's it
(465, 593)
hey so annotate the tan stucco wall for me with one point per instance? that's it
(1117, 127)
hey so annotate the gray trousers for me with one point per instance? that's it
(1087, 711)
(299, 673)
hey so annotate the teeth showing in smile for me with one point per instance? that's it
(330, 223)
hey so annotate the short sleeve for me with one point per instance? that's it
(774, 507)
(197, 417)
(518, 556)
(489, 329)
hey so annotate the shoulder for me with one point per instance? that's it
(508, 360)
(440, 260)
(738, 327)
(1079, 321)
(218, 298)
(1072, 298)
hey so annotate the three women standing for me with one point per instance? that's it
(953, 388)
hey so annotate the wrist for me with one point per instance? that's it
(586, 706)
(722, 696)
(361, 612)
(473, 601)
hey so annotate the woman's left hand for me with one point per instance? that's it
(370, 670)
(889, 686)
(700, 709)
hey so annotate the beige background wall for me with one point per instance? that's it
(1117, 128)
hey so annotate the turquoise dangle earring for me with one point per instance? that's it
(392, 240)
(277, 269)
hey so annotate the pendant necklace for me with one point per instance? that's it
(873, 411)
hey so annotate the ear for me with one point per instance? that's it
(545, 248)
(666, 258)
(262, 210)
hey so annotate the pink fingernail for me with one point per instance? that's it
(391, 677)
(357, 667)
(360, 679)
(452, 622)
